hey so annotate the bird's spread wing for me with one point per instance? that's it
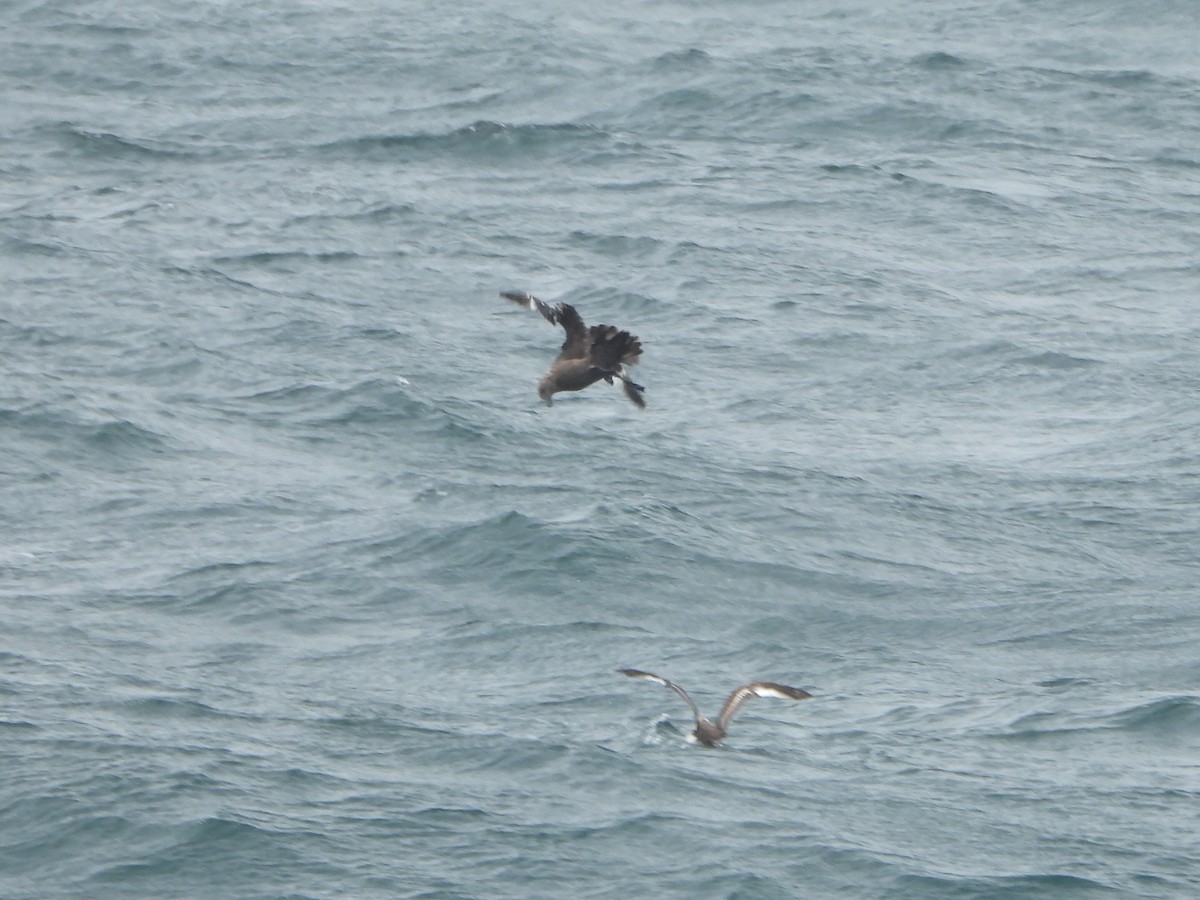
(636, 673)
(577, 342)
(757, 689)
(526, 299)
(634, 393)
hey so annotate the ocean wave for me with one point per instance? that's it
(624, 302)
(114, 439)
(110, 145)
(17, 724)
(1053, 359)
(213, 583)
(375, 213)
(617, 245)
(691, 59)
(1166, 718)
(489, 643)
(1003, 357)
(284, 258)
(978, 195)
(483, 138)
(1176, 160)
(697, 112)
(159, 709)
(508, 542)
(1116, 78)
(938, 60)
(29, 247)
(190, 848)
(1175, 716)
(51, 825)
(1023, 885)
(372, 401)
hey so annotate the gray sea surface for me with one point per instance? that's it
(305, 594)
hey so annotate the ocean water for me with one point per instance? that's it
(303, 593)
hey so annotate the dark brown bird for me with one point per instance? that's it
(711, 733)
(587, 355)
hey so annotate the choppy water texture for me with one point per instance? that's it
(304, 594)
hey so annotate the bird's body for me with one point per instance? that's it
(588, 355)
(708, 732)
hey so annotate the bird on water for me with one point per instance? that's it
(710, 733)
(587, 355)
